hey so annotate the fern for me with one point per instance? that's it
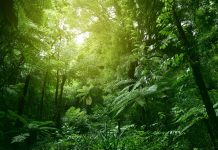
(20, 138)
(137, 96)
(37, 129)
(190, 118)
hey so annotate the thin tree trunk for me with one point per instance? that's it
(21, 102)
(29, 101)
(56, 96)
(118, 127)
(210, 131)
(42, 97)
(57, 88)
(60, 102)
(194, 61)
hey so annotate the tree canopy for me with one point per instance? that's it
(108, 74)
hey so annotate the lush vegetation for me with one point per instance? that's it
(108, 75)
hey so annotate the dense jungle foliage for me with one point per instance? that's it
(108, 74)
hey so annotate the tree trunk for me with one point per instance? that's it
(194, 61)
(57, 88)
(42, 97)
(56, 95)
(118, 127)
(21, 102)
(210, 131)
(60, 102)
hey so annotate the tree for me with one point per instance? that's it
(189, 34)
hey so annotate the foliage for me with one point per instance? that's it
(109, 74)
(76, 119)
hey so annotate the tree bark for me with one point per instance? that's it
(60, 102)
(42, 97)
(57, 88)
(21, 101)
